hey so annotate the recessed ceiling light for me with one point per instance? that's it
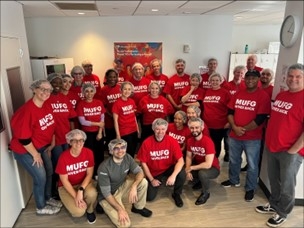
(81, 13)
(186, 12)
(154, 10)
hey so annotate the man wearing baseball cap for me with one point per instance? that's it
(247, 113)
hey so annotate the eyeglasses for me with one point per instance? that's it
(76, 73)
(44, 90)
(117, 148)
(77, 141)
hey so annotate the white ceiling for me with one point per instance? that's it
(244, 12)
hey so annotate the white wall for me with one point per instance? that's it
(256, 36)
(93, 38)
(12, 25)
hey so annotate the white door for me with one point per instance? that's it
(16, 184)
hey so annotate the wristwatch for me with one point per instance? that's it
(81, 189)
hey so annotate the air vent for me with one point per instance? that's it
(76, 6)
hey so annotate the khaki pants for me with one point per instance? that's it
(90, 196)
(122, 192)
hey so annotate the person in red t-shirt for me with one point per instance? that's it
(212, 65)
(91, 117)
(201, 162)
(248, 111)
(179, 130)
(157, 74)
(125, 123)
(215, 112)
(175, 85)
(33, 127)
(160, 156)
(77, 73)
(237, 83)
(284, 146)
(153, 106)
(75, 168)
(192, 94)
(64, 114)
(251, 63)
(89, 77)
(266, 79)
(108, 95)
(139, 82)
(195, 112)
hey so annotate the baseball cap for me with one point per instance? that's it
(255, 73)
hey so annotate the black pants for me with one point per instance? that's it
(97, 146)
(217, 136)
(178, 185)
(132, 140)
(146, 131)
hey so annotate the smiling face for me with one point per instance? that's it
(57, 85)
(191, 113)
(77, 143)
(119, 151)
(180, 68)
(126, 91)
(212, 65)
(66, 83)
(178, 121)
(195, 128)
(154, 90)
(138, 72)
(43, 92)
(194, 81)
(266, 77)
(89, 94)
(251, 83)
(215, 82)
(295, 80)
(160, 132)
(112, 79)
(238, 75)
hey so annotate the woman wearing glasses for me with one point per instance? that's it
(33, 127)
(75, 168)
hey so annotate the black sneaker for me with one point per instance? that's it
(143, 212)
(226, 157)
(276, 220)
(197, 186)
(228, 184)
(202, 198)
(177, 199)
(91, 217)
(266, 209)
(249, 195)
(244, 169)
(99, 209)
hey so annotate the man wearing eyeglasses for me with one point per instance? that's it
(114, 183)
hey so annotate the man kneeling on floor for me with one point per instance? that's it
(114, 183)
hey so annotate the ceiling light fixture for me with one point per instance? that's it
(81, 13)
(154, 10)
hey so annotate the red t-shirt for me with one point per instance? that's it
(159, 156)
(286, 122)
(175, 85)
(268, 90)
(94, 80)
(74, 167)
(126, 115)
(246, 107)
(153, 108)
(30, 121)
(77, 90)
(205, 84)
(161, 80)
(215, 108)
(91, 111)
(234, 88)
(108, 96)
(200, 149)
(140, 88)
(180, 135)
(197, 95)
(63, 111)
(73, 97)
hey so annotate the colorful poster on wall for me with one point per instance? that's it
(129, 53)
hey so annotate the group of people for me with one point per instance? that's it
(157, 131)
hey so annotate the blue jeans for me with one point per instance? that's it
(252, 151)
(42, 176)
(57, 151)
(282, 170)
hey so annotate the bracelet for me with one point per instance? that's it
(152, 180)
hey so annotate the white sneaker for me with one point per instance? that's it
(54, 203)
(48, 210)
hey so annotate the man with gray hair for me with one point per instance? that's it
(114, 184)
(161, 156)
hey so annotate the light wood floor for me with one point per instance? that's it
(226, 207)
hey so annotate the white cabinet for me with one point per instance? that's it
(264, 61)
(42, 67)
